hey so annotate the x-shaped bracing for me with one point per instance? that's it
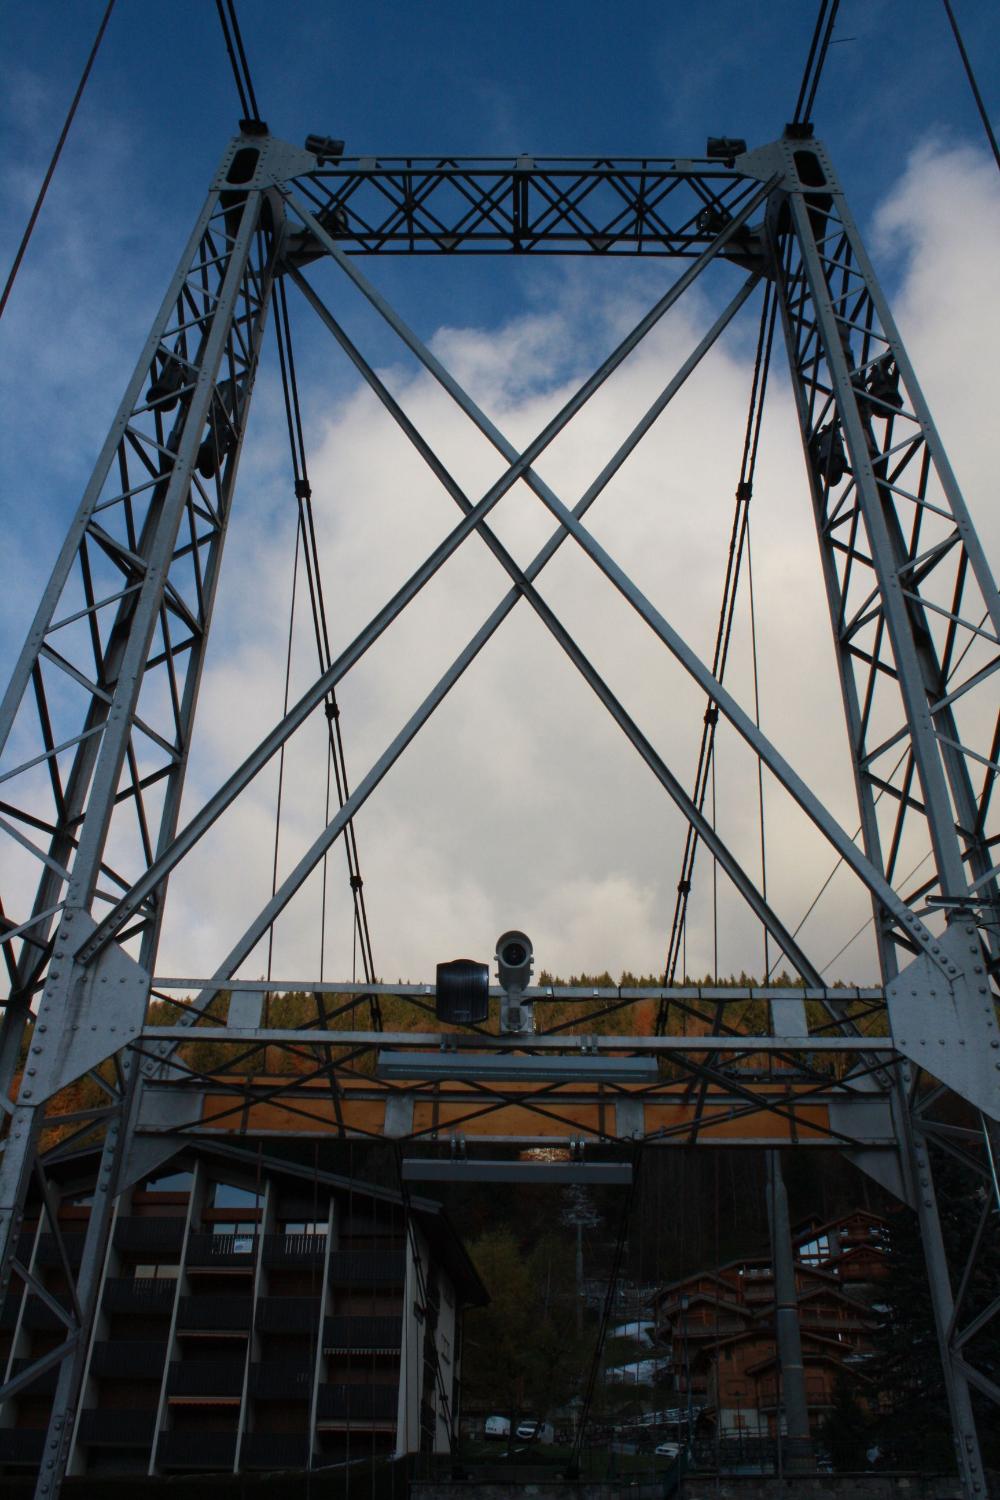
(520, 467)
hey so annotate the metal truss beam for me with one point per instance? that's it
(97, 727)
(528, 205)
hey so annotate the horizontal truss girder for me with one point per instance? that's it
(540, 206)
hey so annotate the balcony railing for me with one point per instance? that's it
(282, 1380)
(288, 1314)
(129, 1359)
(367, 1267)
(117, 1429)
(222, 1251)
(9, 1309)
(206, 1377)
(42, 1385)
(275, 1450)
(294, 1249)
(141, 1236)
(139, 1294)
(214, 1314)
(48, 1248)
(22, 1445)
(196, 1450)
(39, 1316)
(362, 1334)
(358, 1403)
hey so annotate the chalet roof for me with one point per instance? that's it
(717, 1301)
(812, 1227)
(835, 1294)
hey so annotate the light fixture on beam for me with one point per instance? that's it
(483, 1067)
(560, 1173)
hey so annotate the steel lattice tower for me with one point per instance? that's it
(98, 719)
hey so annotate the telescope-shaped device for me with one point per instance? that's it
(462, 991)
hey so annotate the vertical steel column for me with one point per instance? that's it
(171, 494)
(910, 597)
(788, 1337)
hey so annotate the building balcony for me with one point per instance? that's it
(196, 1450)
(127, 1428)
(362, 1335)
(22, 1447)
(214, 1314)
(367, 1267)
(9, 1310)
(282, 1380)
(129, 1359)
(294, 1249)
(275, 1450)
(136, 1236)
(219, 1379)
(39, 1317)
(43, 1385)
(291, 1315)
(139, 1294)
(222, 1252)
(48, 1249)
(357, 1403)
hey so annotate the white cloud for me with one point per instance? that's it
(521, 804)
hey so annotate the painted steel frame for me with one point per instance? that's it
(119, 640)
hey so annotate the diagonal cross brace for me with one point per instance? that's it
(523, 587)
(311, 700)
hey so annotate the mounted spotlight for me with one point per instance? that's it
(324, 147)
(725, 148)
(514, 962)
(462, 992)
(503, 1067)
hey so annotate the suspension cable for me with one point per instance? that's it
(314, 578)
(974, 86)
(756, 717)
(50, 171)
(609, 1299)
(281, 755)
(815, 61)
(233, 38)
(734, 563)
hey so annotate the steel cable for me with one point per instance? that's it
(50, 171)
(974, 86)
(734, 563)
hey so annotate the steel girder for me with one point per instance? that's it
(916, 625)
(541, 206)
(124, 623)
(123, 626)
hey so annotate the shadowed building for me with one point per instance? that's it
(255, 1313)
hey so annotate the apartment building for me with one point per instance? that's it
(256, 1312)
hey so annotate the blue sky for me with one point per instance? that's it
(551, 77)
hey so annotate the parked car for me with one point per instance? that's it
(497, 1427)
(532, 1431)
(668, 1450)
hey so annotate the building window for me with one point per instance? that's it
(816, 1252)
(172, 1182)
(305, 1226)
(243, 1235)
(157, 1272)
(226, 1195)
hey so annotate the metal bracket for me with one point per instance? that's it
(100, 1010)
(630, 1119)
(398, 1116)
(276, 162)
(943, 1017)
(244, 1009)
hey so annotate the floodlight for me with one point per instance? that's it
(462, 1065)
